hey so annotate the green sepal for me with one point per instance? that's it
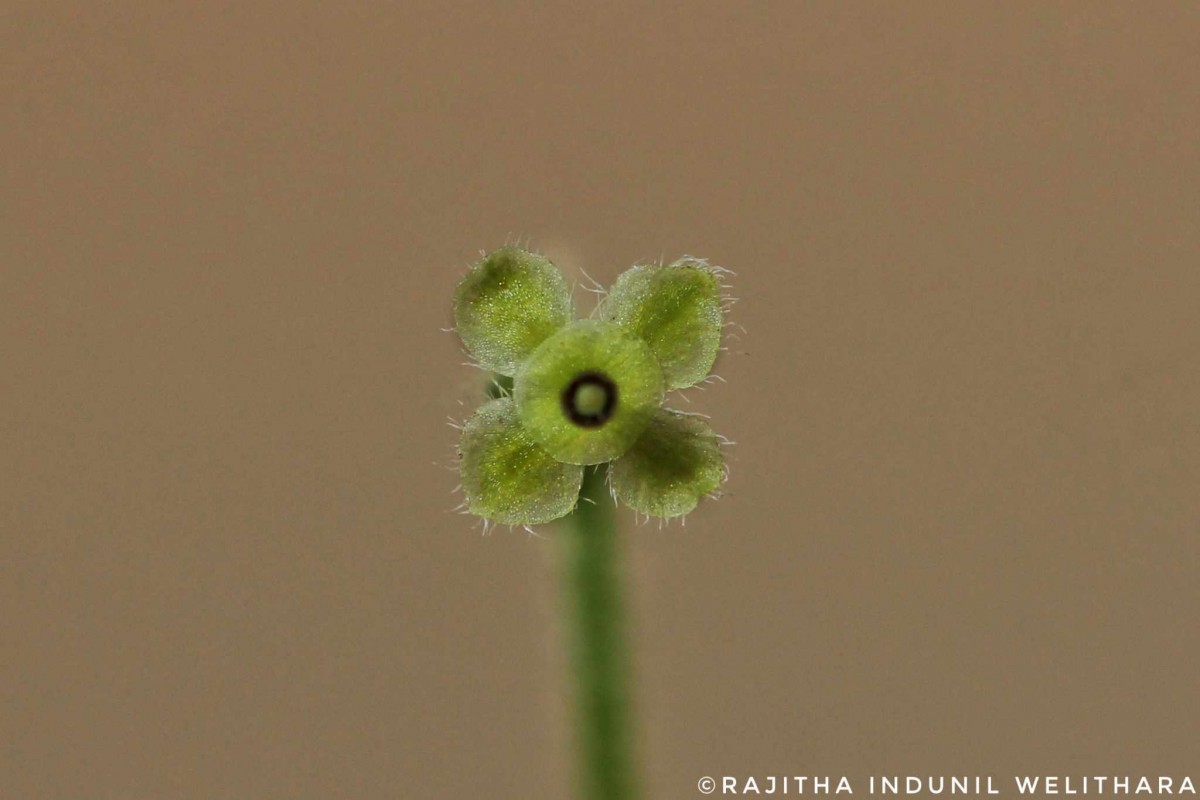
(508, 304)
(509, 478)
(588, 347)
(675, 462)
(676, 309)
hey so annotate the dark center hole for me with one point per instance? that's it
(590, 400)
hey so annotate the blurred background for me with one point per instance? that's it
(962, 533)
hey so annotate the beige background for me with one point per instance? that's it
(962, 534)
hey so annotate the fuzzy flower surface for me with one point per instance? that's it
(588, 391)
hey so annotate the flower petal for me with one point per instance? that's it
(507, 476)
(508, 304)
(676, 309)
(588, 392)
(675, 462)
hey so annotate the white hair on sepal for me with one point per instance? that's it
(612, 490)
(596, 287)
(501, 389)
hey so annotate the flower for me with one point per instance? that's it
(588, 391)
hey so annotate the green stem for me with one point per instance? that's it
(598, 646)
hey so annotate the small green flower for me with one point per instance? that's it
(588, 391)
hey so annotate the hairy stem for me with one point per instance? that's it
(599, 664)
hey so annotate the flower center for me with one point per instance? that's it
(590, 400)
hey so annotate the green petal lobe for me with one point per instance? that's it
(676, 309)
(675, 462)
(508, 304)
(588, 392)
(509, 478)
